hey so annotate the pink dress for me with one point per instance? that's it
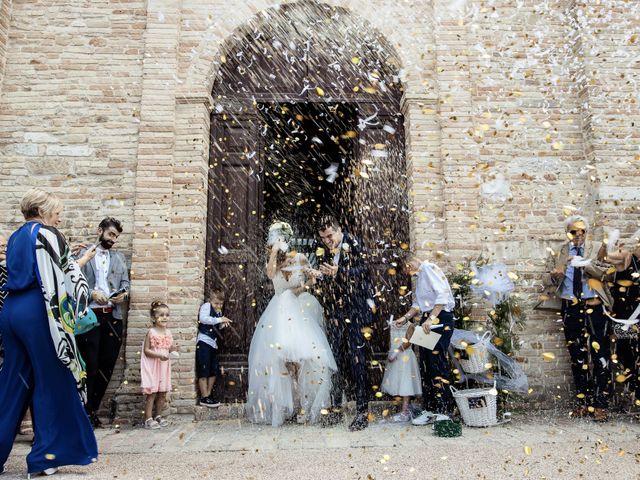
(155, 373)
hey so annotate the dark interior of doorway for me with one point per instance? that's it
(307, 151)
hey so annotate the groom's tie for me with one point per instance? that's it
(577, 278)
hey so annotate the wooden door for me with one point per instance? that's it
(234, 238)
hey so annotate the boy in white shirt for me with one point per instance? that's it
(434, 303)
(207, 366)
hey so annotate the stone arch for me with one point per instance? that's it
(202, 72)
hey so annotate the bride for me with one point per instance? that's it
(290, 361)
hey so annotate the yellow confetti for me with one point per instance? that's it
(557, 146)
(620, 378)
(528, 450)
(595, 345)
(548, 356)
(355, 60)
(319, 92)
(319, 252)
(594, 284)
(324, 411)
(633, 38)
(512, 276)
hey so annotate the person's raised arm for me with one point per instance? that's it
(272, 264)
(54, 255)
(206, 319)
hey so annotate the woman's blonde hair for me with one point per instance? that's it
(36, 203)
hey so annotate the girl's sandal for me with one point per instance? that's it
(161, 421)
(26, 427)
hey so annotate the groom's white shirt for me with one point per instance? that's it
(336, 257)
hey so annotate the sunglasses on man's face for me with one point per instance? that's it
(576, 232)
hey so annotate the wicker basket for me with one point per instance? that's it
(476, 361)
(478, 406)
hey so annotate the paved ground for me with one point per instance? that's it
(537, 447)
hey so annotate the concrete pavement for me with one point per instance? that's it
(534, 446)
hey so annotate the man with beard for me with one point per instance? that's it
(108, 279)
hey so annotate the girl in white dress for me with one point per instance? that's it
(290, 361)
(402, 373)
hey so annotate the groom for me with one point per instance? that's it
(345, 286)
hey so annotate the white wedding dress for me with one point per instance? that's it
(289, 331)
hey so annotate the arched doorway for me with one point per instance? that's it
(306, 119)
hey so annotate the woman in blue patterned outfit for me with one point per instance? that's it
(42, 368)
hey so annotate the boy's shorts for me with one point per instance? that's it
(206, 361)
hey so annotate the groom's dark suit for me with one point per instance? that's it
(344, 298)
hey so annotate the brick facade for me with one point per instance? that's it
(107, 104)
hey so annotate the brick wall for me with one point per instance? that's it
(5, 16)
(70, 111)
(107, 104)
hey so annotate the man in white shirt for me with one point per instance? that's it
(108, 278)
(434, 303)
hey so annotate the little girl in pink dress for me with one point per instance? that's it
(155, 366)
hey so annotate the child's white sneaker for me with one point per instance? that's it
(151, 424)
(424, 418)
(161, 421)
